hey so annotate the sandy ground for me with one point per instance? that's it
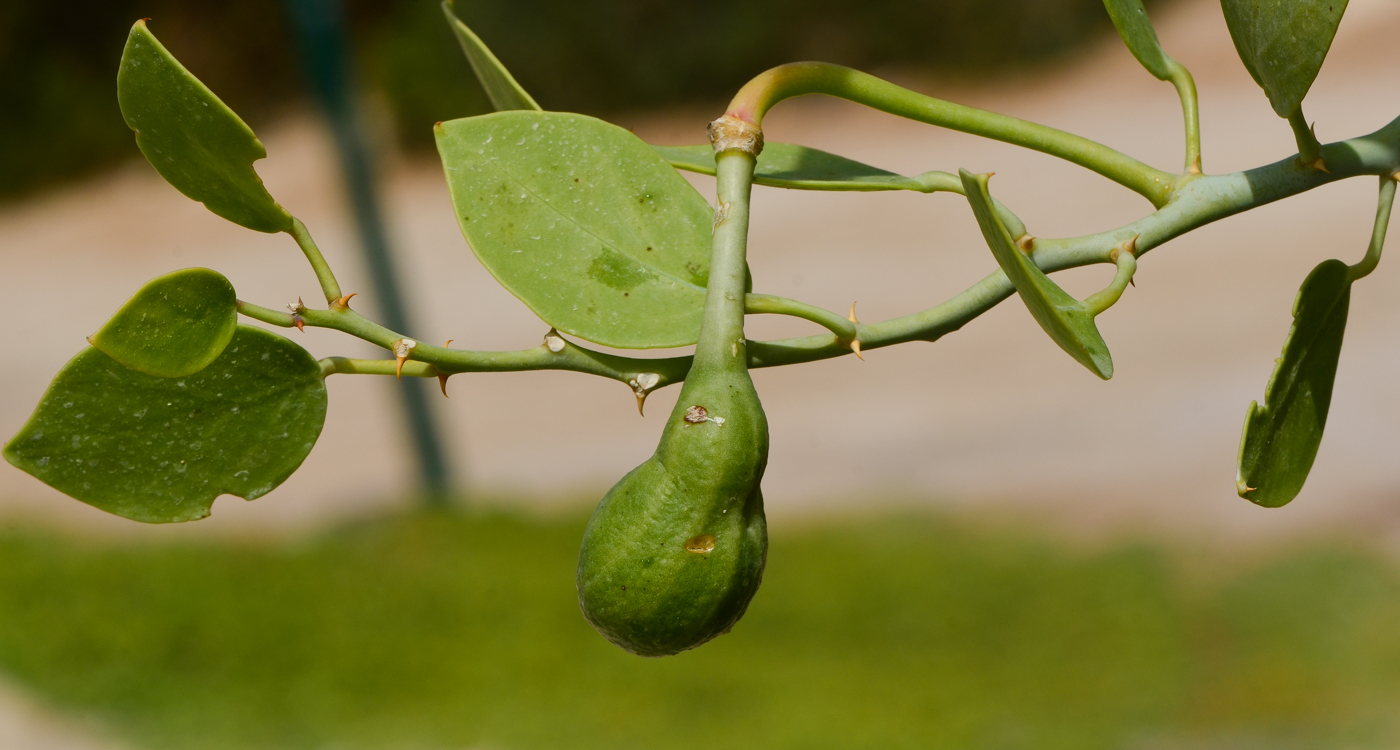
(992, 417)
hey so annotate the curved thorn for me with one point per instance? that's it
(344, 302)
(442, 381)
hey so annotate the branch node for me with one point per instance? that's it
(730, 133)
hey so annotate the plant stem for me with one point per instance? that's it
(722, 329)
(1373, 251)
(800, 79)
(1309, 150)
(329, 287)
(1200, 201)
(758, 304)
(274, 317)
(1186, 89)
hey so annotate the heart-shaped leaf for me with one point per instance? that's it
(176, 325)
(791, 166)
(1067, 320)
(194, 140)
(583, 222)
(1283, 43)
(1281, 438)
(162, 449)
(1136, 29)
(500, 86)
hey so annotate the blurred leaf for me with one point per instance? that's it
(174, 326)
(1283, 43)
(1068, 322)
(194, 140)
(1281, 438)
(1137, 32)
(162, 449)
(584, 223)
(787, 165)
(500, 85)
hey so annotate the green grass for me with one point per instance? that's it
(457, 631)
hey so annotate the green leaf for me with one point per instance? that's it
(1283, 43)
(176, 325)
(787, 165)
(162, 449)
(505, 94)
(1136, 29)
(194, 140)
(1067, 320)
(584, 223)
(1281, 438)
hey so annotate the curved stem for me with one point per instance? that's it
(758, 304)
(1186, 89)
(1373, 251)
(1309, 150)
(329, 286)
(1102, 300)
(799, 79)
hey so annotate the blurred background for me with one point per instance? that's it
(975, 543)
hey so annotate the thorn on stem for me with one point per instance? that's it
(855, 347)
(1026, 243)
(299, 323)
(344, 302)
(642, 386)
(447, 343)
(442, 381)
(402, 348)
(852, 316)
(1321, 165)
(1195, 167)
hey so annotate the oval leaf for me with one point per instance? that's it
(176, 325)
(162, 449)
(194, 140)
(791, 166)
(1068, 322)
(1283, 43)
(1136, 29)
(1281, 438)
(500, 86)
(584, 223)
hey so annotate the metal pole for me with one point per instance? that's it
(321, 34)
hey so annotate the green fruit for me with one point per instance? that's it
(675, 550)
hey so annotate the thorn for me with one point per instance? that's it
(642, 385)
(344, 302)
(90, 339)
(1250, 489)
(298, 307)
(1195, 167)
(1132, 283)
(299, 323)
(855, 347)
(1131, 245)
(852, 316)
(402, 348)
(442, 381)
(1026, 243)
(1321, 165)
(447, 343)
(1396, 176)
